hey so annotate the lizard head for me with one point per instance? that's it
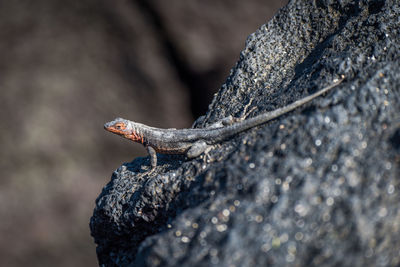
(121, 127)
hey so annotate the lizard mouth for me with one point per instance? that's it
(132, 137)
(113, 130)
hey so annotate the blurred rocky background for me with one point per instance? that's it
(66, 67)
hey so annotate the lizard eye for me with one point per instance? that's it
(119, 126)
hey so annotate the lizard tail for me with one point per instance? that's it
(228, 131)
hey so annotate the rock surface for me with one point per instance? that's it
(318, 186)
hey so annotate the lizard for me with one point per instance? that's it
(195, 141)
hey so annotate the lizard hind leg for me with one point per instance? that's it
(218, 124)
(223, 122)
(198, 148)
(229, 120)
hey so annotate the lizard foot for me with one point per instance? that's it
(245, 113)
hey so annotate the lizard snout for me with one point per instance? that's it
(107, 125)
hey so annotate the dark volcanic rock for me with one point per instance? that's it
(318, 186)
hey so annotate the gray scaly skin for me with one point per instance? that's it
(193, 142)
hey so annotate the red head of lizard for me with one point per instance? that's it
(122, 127)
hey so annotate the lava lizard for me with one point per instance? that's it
(195, 141)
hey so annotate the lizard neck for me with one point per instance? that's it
(135, 134)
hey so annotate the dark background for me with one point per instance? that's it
(67, 67)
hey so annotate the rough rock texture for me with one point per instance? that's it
(318, 186)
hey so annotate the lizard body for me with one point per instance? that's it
(193, 142)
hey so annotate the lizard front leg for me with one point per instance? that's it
(153, 157)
